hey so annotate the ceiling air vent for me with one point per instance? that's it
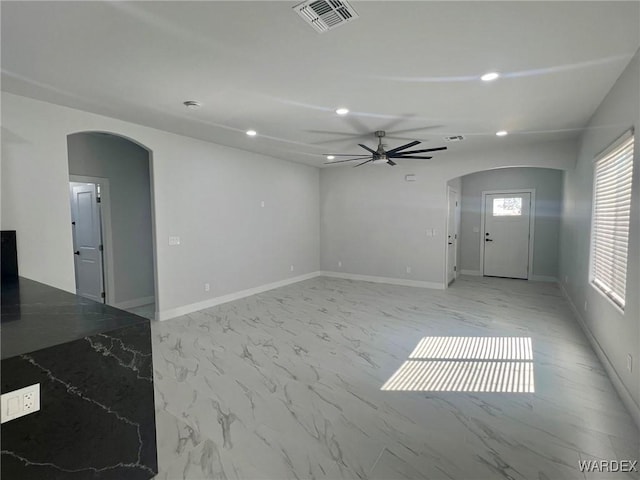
(454, 138)
(325, 15)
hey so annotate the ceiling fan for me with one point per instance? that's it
(384, 156)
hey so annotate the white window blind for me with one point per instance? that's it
(611, 213)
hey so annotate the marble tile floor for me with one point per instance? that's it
(287, 385)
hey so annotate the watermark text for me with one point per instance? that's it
(589, 466)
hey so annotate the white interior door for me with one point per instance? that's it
(452, 235)
(85, 216)
(506, 234)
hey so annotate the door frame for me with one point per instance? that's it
(107, 238)
(456, 222)
(532, 217)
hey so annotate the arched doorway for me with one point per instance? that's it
(110, 187)
(527, 200)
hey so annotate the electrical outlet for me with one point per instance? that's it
(629, 362)
(174, 241)
(408, 269)
(262, 203)
(207, 287)
(566, 279)
(28, 401)
(20, 402)
(585, 305)
(291, 268)
(339, 264)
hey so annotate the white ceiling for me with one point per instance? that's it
(401, 65)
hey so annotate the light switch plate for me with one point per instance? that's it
(20, 402)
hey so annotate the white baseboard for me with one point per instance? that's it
(475, 273)
(136, 302)
(212, 302)
(388, 280)
(543, 278)
(624, 394)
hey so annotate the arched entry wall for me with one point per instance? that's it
(375, 223)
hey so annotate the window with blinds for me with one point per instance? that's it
(610, 225)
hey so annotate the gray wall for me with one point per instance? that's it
(126, 166)
(617, 334)
(548, 185)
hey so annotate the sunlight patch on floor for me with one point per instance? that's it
(467, 364)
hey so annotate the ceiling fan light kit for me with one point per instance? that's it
(380, 156)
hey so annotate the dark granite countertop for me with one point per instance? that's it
(36, 316)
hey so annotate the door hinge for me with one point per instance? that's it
(456, 203)
(455, 268)
(73, 223)
(101, 248)
(103, 295)
(98, 200)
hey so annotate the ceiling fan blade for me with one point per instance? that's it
(355, 123)
(426, 158)
(347, 160)
(391, 162)
(407, 130)
(393, 137)
(370, 160)
(346, 154)
(408, 145)
(411, 152)
(341, 134)
(367, 148)
(389, 126)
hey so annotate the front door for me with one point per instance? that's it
(506, 234)
(87, 234)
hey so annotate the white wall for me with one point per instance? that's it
(126, 166)
(615, 334)
(375, 223)
(207, 194)
(548, 206)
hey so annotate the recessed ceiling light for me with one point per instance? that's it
(192, 104)
(502, 133)
(488, 77)
(252, 133)
(330, 157)
(342, 111)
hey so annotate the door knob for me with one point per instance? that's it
(450, 243)
(488, 240)
(77, 252)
